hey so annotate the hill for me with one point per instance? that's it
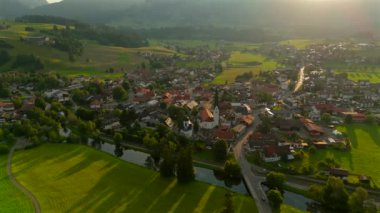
(292, 17)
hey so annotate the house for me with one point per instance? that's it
(6, 106)
(287, 124)
(224, 133)
(208, 119)
(143, 94)
(59, 95)
(315, 114)
(239, 129)
(38, 40)
(28, 104)
(96, 104)
(356, 116)
(337, 172)
(312, 128)
(187, 129)
(247, 120)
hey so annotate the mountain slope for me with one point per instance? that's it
(12, 8)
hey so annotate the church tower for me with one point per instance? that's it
(216, 116)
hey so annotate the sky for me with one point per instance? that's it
(53, 1)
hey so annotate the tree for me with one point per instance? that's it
(356, 200)
(220, 150)
(126, 85)
(275, 180)
(153, 145)
(4, 57)
(119, 93)
(216, 98)
(228, 204)
(275, 198)
(326, 117)
(118, 138)
(167, 166)
(316, 192)
(185, 169)
(40, 103)
(335, 196)
(232, 169)
(348, 119)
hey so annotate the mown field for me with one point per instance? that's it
(300, 43)
(362, 159)
(73, 178)
(240, 63)
(11, 198)
(373, 76)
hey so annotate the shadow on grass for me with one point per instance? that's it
(374, 132)
(149, 194)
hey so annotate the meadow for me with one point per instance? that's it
(362, 158)
(300, 43)
(11, 198)
(95, 60)
(74, 178)
(211, 44)
(240, 63)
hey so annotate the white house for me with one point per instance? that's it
(187, 129)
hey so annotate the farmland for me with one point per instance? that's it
(84, 179)
(300, 43)
(365, 141)
(240, 63)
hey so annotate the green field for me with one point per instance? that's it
(363, 157)
(11, 198)
(240, 63)
(73, 178)
(289, 209)
(96, 59)
(210, 44)
(370, 73)
(300, 43)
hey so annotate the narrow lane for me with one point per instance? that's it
(17, 184)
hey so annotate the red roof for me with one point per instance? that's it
(224, 133)
(6, 104)
(206, 115)
(248, 119)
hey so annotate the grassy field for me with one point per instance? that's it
(363, 157)
(73, 178)
(11, 198)
(96, 59)
(300, 43)
(240, 63)
(211, 44)
(289, 209)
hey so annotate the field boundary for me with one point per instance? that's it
(17, 184)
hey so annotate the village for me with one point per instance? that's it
(183, 100)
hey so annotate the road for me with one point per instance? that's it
(301, 77)
(16, 183)
(253, 181)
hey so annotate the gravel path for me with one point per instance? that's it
(16, 183)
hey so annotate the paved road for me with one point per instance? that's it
(17, 184)
(301, 77)
(253, 181)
